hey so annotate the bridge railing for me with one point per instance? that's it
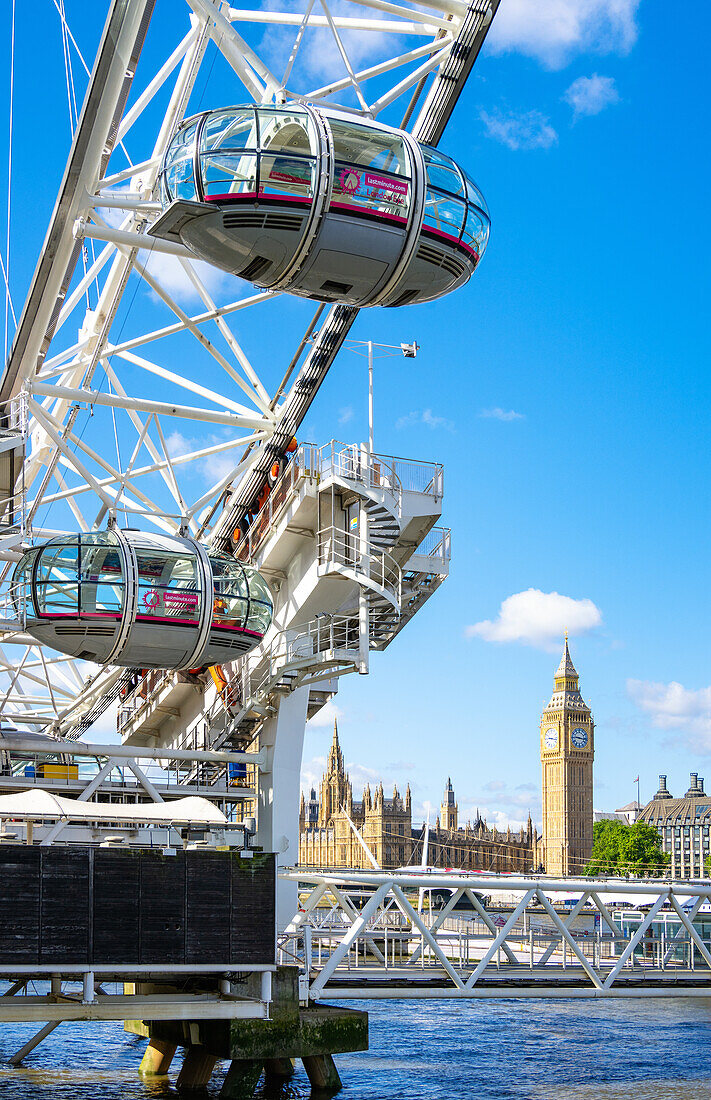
(376, 934)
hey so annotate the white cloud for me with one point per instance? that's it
(588, 95)
(178, 445)
(501, 414)
(319, 59)
(538, 619)
(359, 775)
(172, 277)
(312, 772)
(673, 707)
(554, 31)
(345, 414)
(212, 468)
(426, 417)
(531, 130)
(328, 714)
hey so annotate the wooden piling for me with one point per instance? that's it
(196, 1069)
(241, 1079)
(322, 1072)
(157, 1058)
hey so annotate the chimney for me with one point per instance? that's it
(662, 792)
(693, 785)
(700, 787)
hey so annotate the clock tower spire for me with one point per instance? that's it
(567, 752)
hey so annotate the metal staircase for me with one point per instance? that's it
(373, 480)
(370, 579)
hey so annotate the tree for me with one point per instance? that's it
(620, 849)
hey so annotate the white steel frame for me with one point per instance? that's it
(431, 963)
(62, 378)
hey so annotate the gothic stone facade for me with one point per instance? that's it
(328, 840)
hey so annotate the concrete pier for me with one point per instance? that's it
(313, 1034)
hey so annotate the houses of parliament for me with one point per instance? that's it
(329, 819)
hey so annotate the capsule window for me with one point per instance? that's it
(233, 130)
(242, 600)
(286, 176)
(442, 172)
(168, 587)
(260, 603)
(476, 231)
(179, 174)
(369, 148)
(286, 132)
(57, 587)
(371, 170)
(444, 214)
(22, 583)
(226, 174)
(474, 195)
(101, 580)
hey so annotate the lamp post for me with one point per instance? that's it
(367, 347)
(409, 351)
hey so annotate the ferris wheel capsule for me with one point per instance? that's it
(307, 200)
(141, 600)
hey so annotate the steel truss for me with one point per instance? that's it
(127, 414)
(368, 935)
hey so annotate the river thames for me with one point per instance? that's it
(634, 1049)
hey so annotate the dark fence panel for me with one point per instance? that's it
(19, 904)
(117, 906)
(98, 906)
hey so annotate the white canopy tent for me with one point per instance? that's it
(37, 804)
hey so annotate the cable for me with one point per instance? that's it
(87, 70)
(6, 265)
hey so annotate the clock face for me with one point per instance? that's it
(579, 737)
(551, 737)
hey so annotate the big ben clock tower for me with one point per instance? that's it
(567, 751)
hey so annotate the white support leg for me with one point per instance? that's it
(33, 1042)
(282, 738)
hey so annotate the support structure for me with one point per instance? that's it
(115, 432)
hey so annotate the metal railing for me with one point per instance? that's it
(341, 548)
(437, 543)
(416, 476)
(350, 462)
(361, 930)
(293, 648)
(13, 499)
(303, 464)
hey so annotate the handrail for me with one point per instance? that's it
(350, 462)
(353, 463)
(342, 548)
(304, 463)
(436, 544)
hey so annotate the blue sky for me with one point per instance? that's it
(565, 389)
